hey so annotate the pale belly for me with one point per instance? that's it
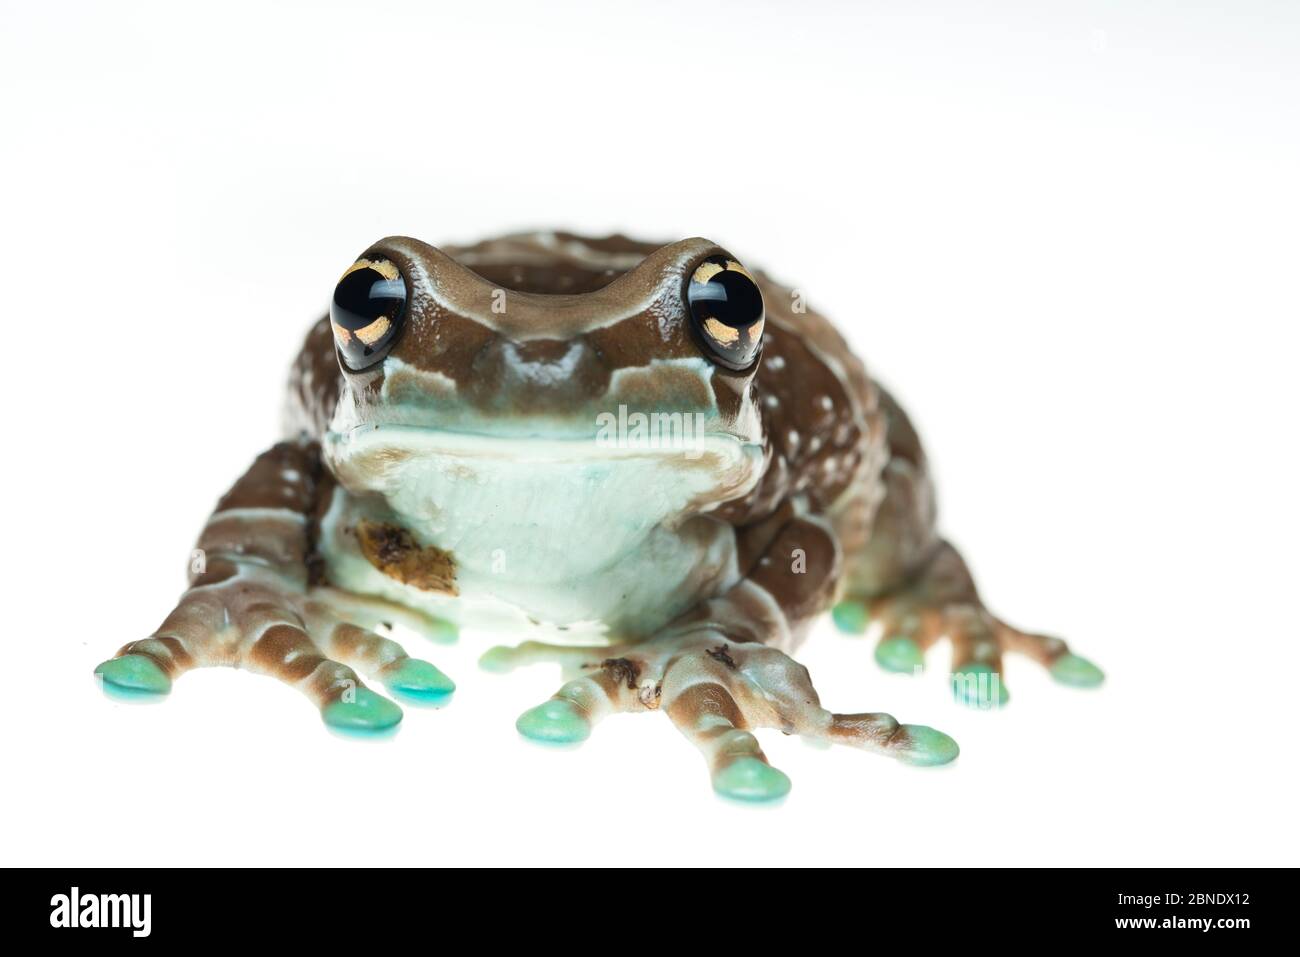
(596, 584)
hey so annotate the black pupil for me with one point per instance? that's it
(733, 299)
(728, 297)
(362, 296)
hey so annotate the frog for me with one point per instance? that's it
(649, 465)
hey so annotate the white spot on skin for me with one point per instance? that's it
(775, 363)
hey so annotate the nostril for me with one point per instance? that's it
(539, 371)
(546, 350)
(545, 360)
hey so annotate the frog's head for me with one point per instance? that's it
(619, 406)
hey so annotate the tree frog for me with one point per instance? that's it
(655, 465)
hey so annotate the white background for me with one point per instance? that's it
(1067, 240)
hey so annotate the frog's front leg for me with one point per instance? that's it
(717, 676)
(251, 604)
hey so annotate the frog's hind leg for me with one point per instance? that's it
(913, 589)
(941, 602)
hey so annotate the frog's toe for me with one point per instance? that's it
(748, 778)
(978, 684)
(1076, 671)
(899, 653)
(851, 616)
(499, 660)
(505, 658)
(1052, 653)
(557, 721)
(924, 746)
(413, 680)
(418, 681)
(568, 716)
(914, 744)
(361, 710)
(713, 718)
(134, 675)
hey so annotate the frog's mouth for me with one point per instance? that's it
(564, 506)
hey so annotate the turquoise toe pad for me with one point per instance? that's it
(1076, 671)
(134, 674)
(851, 617)
(926, 747)
(419, 681)
(749, 779)
(366, 711)
(979, 686)
(498, 660)
(899, 654)
(555, 722)
(443, 632)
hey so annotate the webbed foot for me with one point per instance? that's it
(715, 692)
(942, 603)
(250, 618)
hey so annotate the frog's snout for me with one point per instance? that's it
(539, 374)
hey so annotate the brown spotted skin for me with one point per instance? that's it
(840, 505)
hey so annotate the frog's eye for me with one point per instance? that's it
(367, 312)
(727, 310)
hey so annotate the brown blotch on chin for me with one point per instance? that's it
(396, 553)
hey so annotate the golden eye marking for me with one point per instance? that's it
(367, 311)
(374, 332)
(724, 333)
(727, 311)
(733, 266)
(706, 271)
(381, 266)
